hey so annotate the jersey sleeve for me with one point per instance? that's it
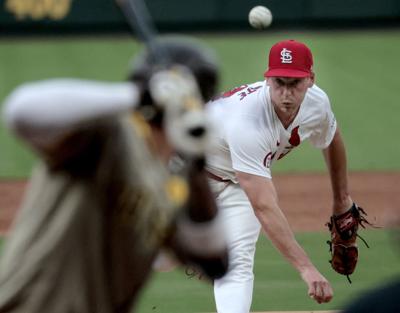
(324, 132)
(249, 151)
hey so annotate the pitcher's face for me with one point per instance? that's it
(287, 93)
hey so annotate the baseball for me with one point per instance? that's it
(260, 17)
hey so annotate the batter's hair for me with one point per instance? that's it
(182, 51)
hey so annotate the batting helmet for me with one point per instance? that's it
(182, 51)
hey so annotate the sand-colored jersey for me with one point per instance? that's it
(90, 225)
(250, 136)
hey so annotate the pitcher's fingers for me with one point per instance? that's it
(311, 290)
(319, 292)
(328, 292)
(314, 292)
(324, 292)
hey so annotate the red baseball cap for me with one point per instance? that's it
(289, 58)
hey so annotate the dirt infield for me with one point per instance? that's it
(306, 198)
(11, 193)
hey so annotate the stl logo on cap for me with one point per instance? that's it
(289, 58)
(286, 56)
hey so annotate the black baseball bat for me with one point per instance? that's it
(141, 23)
(194, 131)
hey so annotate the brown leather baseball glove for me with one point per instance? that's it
(343, 246)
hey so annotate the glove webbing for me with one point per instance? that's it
(346, 231)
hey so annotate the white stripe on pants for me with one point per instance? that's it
(233, 292)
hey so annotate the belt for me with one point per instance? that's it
(216, 177)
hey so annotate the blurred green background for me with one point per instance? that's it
(277, 286)
(358, 70)
(357, 67)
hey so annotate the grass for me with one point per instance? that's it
(356, 68)
(277, 285)
(28, 60)
(358, 71)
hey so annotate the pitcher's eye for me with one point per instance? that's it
(294, 83)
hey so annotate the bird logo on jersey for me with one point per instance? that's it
(294, 141)
(286, 56)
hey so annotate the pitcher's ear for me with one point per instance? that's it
(312, 79)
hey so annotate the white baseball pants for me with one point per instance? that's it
(233, 293)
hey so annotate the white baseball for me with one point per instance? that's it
(260, 17)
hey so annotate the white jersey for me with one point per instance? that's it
(250, 136)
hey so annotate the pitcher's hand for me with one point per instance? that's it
(318, 286)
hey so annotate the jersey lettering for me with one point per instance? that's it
(267, 160)
(231, 92)
(242, 91)
(248, 91)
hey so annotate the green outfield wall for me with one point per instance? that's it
(37, 16)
